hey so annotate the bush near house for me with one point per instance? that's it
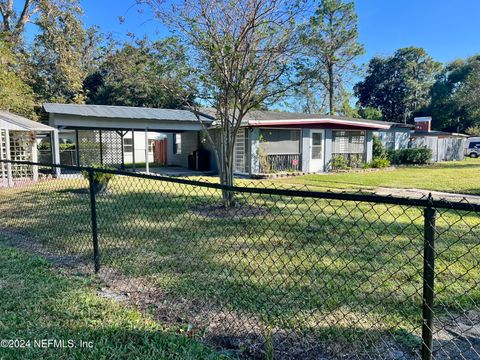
(338, 162)
(377, 163)
(378, 150)
(414, 156)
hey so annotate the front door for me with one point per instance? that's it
(316, 151)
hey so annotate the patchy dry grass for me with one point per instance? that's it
(39, 302)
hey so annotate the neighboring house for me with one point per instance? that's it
(445, 146)
(270, 141)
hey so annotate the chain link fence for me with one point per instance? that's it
(284, 274)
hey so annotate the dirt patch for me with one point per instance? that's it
(458, 336)
(239, 211)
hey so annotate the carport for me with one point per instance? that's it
(102, 134)
(18, 137)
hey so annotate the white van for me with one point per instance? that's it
(472, 147)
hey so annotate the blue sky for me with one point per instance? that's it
(447, 29)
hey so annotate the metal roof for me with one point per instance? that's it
(123, 112)
(11, 121)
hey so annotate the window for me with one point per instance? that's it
(127, 145)
(474, 145)
(316, 145)
(177, 143)
(349, 142)
(389, 140)
(280, 141)
(150, 145)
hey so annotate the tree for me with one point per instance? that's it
(13, 23)
(455, 103)
(398, 85)
(15, 95)
(141, 74)
(61, 52)
(331, 39)
(244, 52)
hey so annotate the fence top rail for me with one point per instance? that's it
(329, 195)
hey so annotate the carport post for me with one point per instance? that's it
(77, 147)
(133, 150)
(55, 144)
(34, 159)
(7, 156)
(147, 166)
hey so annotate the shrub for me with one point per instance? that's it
(378, 151)
(100, 179)
(379, 163)
(338, 162)
(417, 156)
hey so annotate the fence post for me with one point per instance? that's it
(93, 210)
(428, 279)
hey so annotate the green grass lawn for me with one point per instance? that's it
(39, 302)
(337, 270)
(456, 177)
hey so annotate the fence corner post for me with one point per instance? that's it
(428, 278)
(93, 211)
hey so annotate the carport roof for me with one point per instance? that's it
(123, 112)
(14, 122)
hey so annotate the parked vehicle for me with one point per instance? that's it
(472, 147)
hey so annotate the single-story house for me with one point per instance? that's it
(271, 141)
(267, 141)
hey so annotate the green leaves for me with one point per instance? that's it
(398, 85)
(15, 95)
(151, 74)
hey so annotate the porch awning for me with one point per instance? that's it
(9, 121)
(327, 122)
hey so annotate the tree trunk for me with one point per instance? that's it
(331, 90)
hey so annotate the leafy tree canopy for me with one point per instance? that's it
(141, 74)
(61, 53)
(455, 103)
(398, 85)
(15, 95)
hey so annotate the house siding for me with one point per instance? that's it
(394, 139)
(189, 140)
